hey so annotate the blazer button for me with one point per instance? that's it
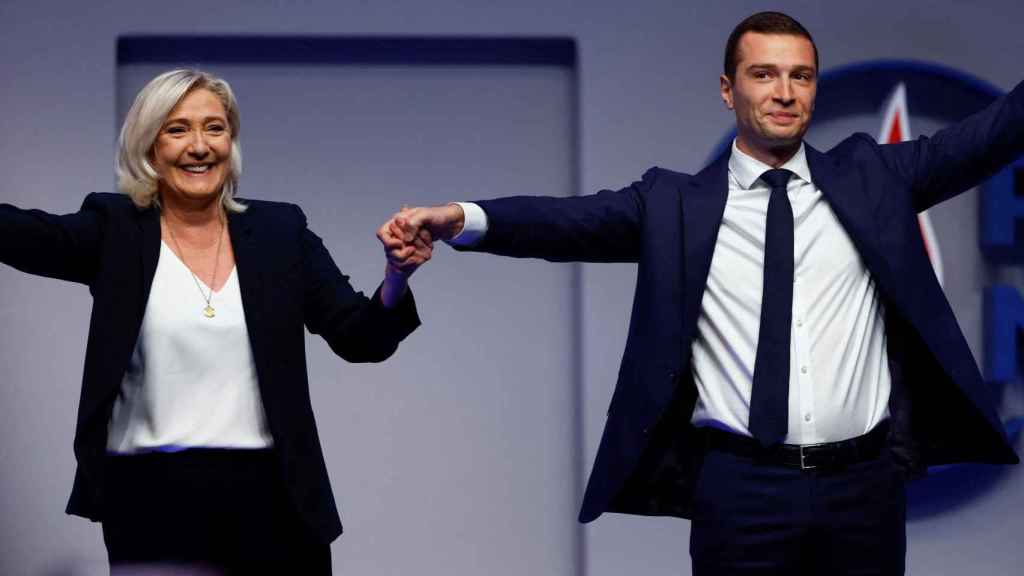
(673, 377)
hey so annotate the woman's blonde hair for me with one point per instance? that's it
(135, 174)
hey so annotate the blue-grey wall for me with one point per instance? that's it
(647, 95)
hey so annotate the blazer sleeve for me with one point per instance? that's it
(62, 246)
(961, 156)
(357, 328)
(602, 227)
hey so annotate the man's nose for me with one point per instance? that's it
(783, 91)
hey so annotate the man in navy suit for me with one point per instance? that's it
(791, 358)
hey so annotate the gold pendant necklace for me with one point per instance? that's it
(208, 310)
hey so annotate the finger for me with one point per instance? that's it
(392, 244)
(420, 243)
(408, 230)
(388, 238)
(398, 232)
(418, 218)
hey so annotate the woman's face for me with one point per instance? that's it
(192, 152)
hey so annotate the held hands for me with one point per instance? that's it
(408, 237)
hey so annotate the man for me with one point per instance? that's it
(791, 357)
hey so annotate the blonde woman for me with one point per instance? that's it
(195, 440)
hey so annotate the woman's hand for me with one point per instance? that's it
(406, 248)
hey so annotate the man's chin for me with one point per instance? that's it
(784, 140)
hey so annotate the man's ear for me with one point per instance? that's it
(725, 88)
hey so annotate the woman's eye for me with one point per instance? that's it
(175, 130)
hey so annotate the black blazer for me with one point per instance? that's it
(668, 222)
(287, 279)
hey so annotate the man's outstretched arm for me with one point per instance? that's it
(603, 227)
(961, 156)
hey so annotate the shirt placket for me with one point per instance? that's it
(801, 366)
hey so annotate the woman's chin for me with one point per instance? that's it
(193, 196)
(192, 192)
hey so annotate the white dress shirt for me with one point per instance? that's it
(191, 380)
(839, 373)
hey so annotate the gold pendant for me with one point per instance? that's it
(209, 312)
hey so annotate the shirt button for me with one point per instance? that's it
(803, 369)
(799, 323)
(807, 417)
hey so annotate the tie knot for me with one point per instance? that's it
(777, 179)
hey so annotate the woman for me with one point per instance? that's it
(195, 439)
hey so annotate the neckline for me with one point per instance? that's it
(231, 275)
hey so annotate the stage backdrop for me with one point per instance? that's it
(466, 453)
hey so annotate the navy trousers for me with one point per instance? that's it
(752, 518)
(206, 511)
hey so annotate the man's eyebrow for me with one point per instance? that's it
(775, 68)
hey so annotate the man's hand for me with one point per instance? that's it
(441, 222)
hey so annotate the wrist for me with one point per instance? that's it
(456, 219)
(394, 286)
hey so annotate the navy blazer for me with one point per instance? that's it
(668, 223)
(287, 280)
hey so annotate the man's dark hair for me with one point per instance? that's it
(763, 23)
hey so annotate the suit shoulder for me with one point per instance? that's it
(110, 200)
(657, 176)
(273, 210)
(268, 206)
(112, 203)
(857, 143)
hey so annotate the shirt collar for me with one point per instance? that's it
(748, 169)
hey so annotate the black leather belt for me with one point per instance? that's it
(829, 455)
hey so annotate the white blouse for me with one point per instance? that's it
(191, 381)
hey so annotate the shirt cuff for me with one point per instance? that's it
(474, 225)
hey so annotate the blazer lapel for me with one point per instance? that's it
(847, 197)
(703, 204)
(149, 252)
(249, 268)
(240, 230)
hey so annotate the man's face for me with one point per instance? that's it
(773, 92)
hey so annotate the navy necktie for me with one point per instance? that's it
(769, 398)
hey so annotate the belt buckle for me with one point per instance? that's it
(803, 459)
